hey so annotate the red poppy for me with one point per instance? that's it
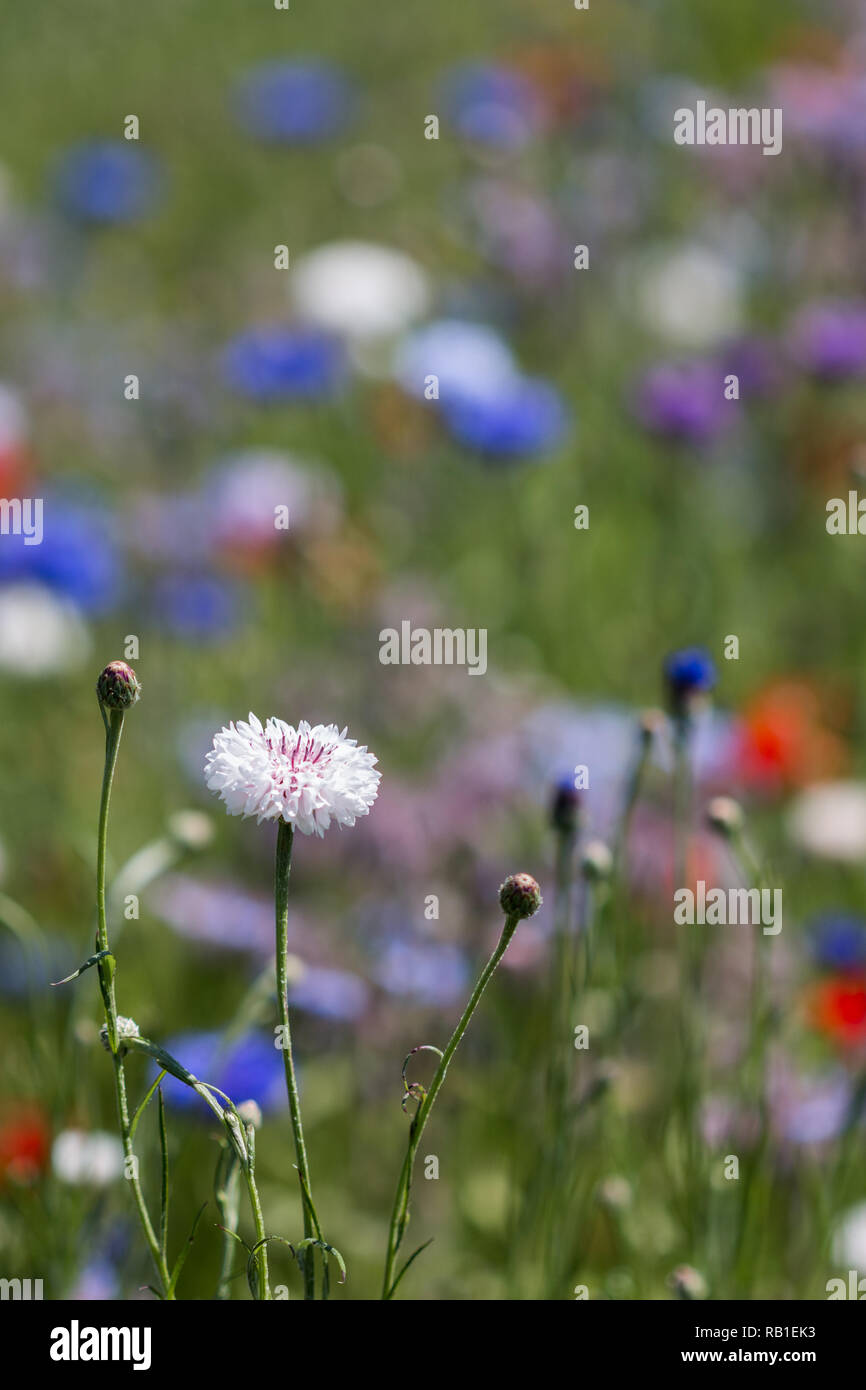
(785, 741)
(837, 1007)
(24, 1146)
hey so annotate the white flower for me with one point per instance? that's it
(359, 289)
(306, 776)
(829, 820)
(468, 359)
(849, 1240)
(88, 1159)
(40, 634)
(689, 295)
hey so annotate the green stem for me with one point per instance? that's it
(113, 730)
(258, 1219)
(285, 836)
(227, 1195)
(400, 1212)
(690, 974)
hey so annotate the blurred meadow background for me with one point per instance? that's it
(558, 387)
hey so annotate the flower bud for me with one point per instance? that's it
(520, 896)
(725, 815)
(564, 807)
(650, 722)
(689, 674)
(193, 830)
(597, 862)
(687, 1283)
(615, 1193)
(118, 687)
(250, 1113)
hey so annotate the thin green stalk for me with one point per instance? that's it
(754, 1066)
(690, 956)
(258, 1219)
(312, 1228)
(400, 1211)
(113, 730)
(227, 1197)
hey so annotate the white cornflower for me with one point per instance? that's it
(828, 820)
(359, 289)
(87, 1158)
(306, 776)
(849, 1239)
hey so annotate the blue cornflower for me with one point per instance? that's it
(492, 105)
(198, 607)
(107, 181)
(247, 1068)
(838, 942)
(520, 417)
(283, 364)
(294, 103)
(688, 673)
(77, 558)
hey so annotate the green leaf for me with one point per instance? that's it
(91, 960)
(143, 1106)
(181, 1259)
(328, 1250)
(165, 1059)
(234, 1235)
(413, 1256)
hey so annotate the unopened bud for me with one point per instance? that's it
(615, 1193)
(725, 815)
(520, 896)
(191, 829)
(118, 687)
(687, 1283)
(250, 1113)
(597, 862)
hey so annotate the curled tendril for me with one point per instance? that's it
(413, 1090)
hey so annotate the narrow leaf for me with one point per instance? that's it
(181, 1259)
(91, 960)
(412, 1257)
(144, 1104)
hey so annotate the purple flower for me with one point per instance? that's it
(295, 103)
(755, 363)
(422, 972)
(283, 364)
(331, 994)
(828, 339)
(684, 403)
(107, 181)
(220, 913)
